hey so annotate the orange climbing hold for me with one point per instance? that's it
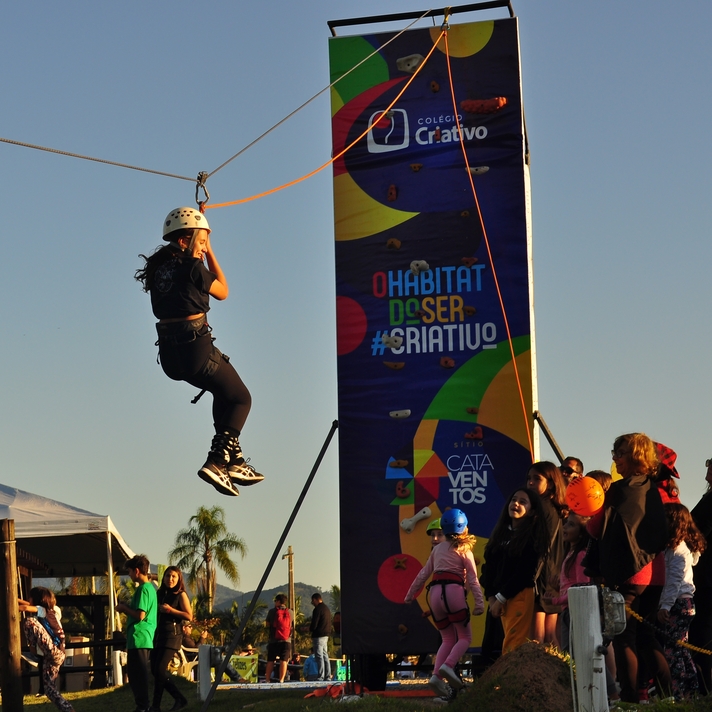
(483, 106)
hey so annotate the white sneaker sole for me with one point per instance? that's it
(447, 672)
(228, 489)
(246, 480)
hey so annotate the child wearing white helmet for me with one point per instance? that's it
(180, 286)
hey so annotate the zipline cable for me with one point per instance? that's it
(335, 158)
(239, 153)
(318, 94)
(97, 160)
(489, 250)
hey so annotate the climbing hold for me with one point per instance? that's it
(483, 106)
(407, 525)
(479, 170)
(418, 266)
(437, 134)
(392, 193)
(403, 629)
(419, 313)
(410, 63)
(469, 261)
(401, 491)
(393, 243)
(399, 414)
(474, 434)
(395, 365)
(400, 562)
(447, 362)
(398, 463)
(470, 311)
(465, 214)
(415, 167)
(392, 342)
(472, 410)
(434, 86)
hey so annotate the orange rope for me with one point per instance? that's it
(489, 252)
(338, 155)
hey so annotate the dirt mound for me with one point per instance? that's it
(529, 679)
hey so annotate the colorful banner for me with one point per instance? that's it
(430, 412)
(246, 667)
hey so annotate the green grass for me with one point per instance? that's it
(285, 700)
(282, 700)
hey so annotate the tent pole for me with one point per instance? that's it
(110, 585)
(10, 674)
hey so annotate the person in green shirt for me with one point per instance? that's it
(142, 617)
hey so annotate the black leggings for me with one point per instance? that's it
(189, 362)
(160, 658)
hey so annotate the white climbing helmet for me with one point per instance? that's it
(182, 218)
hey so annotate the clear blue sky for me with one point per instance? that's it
(617, 106)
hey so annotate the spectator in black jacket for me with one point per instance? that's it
(701, 626)
(320, 629)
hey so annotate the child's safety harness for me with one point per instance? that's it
(443, 579)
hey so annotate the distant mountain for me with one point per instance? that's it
(225, 596)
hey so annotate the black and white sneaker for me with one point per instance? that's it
(217, 476)
(243, 474)
(439, 687)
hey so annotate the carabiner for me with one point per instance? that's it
(200, 184)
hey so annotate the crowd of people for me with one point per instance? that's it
(643, 542)
(159, 624)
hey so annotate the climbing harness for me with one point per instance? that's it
(444, 579)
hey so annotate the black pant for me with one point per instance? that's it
(624, 645)
(137, 666)
(701, 636)
(160, 658)
(189, 362)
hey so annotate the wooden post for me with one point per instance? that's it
(10, 648)
(587, 648)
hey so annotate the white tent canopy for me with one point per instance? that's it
(67, 540)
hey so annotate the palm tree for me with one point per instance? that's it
(203, 548)
(336, 597)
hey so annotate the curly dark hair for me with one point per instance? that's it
(683, 528)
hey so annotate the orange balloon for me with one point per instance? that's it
(585, 496)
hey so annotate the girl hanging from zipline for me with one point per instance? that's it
(180, 286)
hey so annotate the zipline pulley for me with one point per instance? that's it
(200, 185)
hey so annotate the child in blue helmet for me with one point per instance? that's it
(180, 286)
(453, 568)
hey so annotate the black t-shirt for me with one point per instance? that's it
(181, 288)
